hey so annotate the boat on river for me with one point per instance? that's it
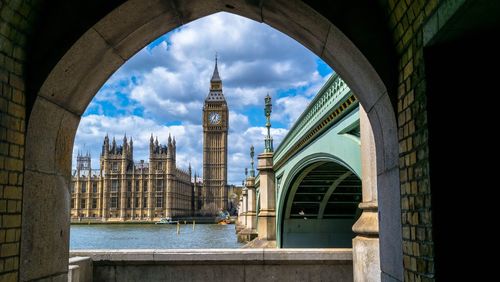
(167, 220)
(223, 218)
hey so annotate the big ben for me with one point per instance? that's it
(215, 129)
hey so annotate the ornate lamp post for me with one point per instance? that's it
(267, 110)
(267, 212)
(252, 153)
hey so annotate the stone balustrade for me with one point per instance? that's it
(214, 265)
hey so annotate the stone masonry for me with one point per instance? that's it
(15, 24)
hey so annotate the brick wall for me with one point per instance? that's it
(14, 23)
(406, 19)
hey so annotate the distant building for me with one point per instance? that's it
(215, 130)
(124, 190)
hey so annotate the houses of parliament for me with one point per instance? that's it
(122, 189)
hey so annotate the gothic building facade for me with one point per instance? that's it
(123, 190)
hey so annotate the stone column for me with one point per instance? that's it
(142, 212)
(252, 204)
(104, 190)
(150, 195)
(240, 232)
(105, 199)
(245, 205)
(89, 195)
(77, 188)
(169, 203)
(365, 246)
(250, 231)
(123, 197)
(99, 198)
(241, 220)
(267, 213)
(132, 197)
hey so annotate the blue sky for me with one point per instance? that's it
(162, 88)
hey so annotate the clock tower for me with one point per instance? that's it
(215, 127)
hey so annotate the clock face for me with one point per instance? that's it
(214, 118)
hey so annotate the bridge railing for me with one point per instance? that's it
(332, 101)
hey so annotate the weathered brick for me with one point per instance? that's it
(9, 249)
(3, 107)
(19, 205)
(11, 263)
(406, 261)
(16, 110)
(4, 148)
(15, 80)
(20, 179)
(12, 178)
(15, 137)
(14, 164)
(10, 236)
(18, 96)
(3, 205)
(406, 232)
(9, 276)
(9, 221)
(6, 45)
(18, 53)
(12, 206)
(14, 150)
(12, 192)
(5, 32)
(4, 75)
(404, 203)
(4, 177)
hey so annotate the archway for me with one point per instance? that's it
(321, 207)
(102, 49)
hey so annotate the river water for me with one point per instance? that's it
(152, 236)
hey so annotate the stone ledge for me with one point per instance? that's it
(210, 256)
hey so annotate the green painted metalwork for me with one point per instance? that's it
(327, 132)
(252, 153)
(267, 110)
(327, 102)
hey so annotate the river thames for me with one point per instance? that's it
(151, 236)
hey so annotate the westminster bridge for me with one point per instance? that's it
(308, 192)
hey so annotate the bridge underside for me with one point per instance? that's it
(321, 207)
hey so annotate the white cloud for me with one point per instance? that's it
(289, 108)
(254, 60)
(239, 149)
(167, 84)
(237, 122)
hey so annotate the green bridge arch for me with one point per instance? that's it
(338, 147)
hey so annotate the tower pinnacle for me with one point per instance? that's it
(215, 93)
(215, 75)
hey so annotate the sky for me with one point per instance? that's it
(162, 88)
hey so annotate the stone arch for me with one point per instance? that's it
(79, 73)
